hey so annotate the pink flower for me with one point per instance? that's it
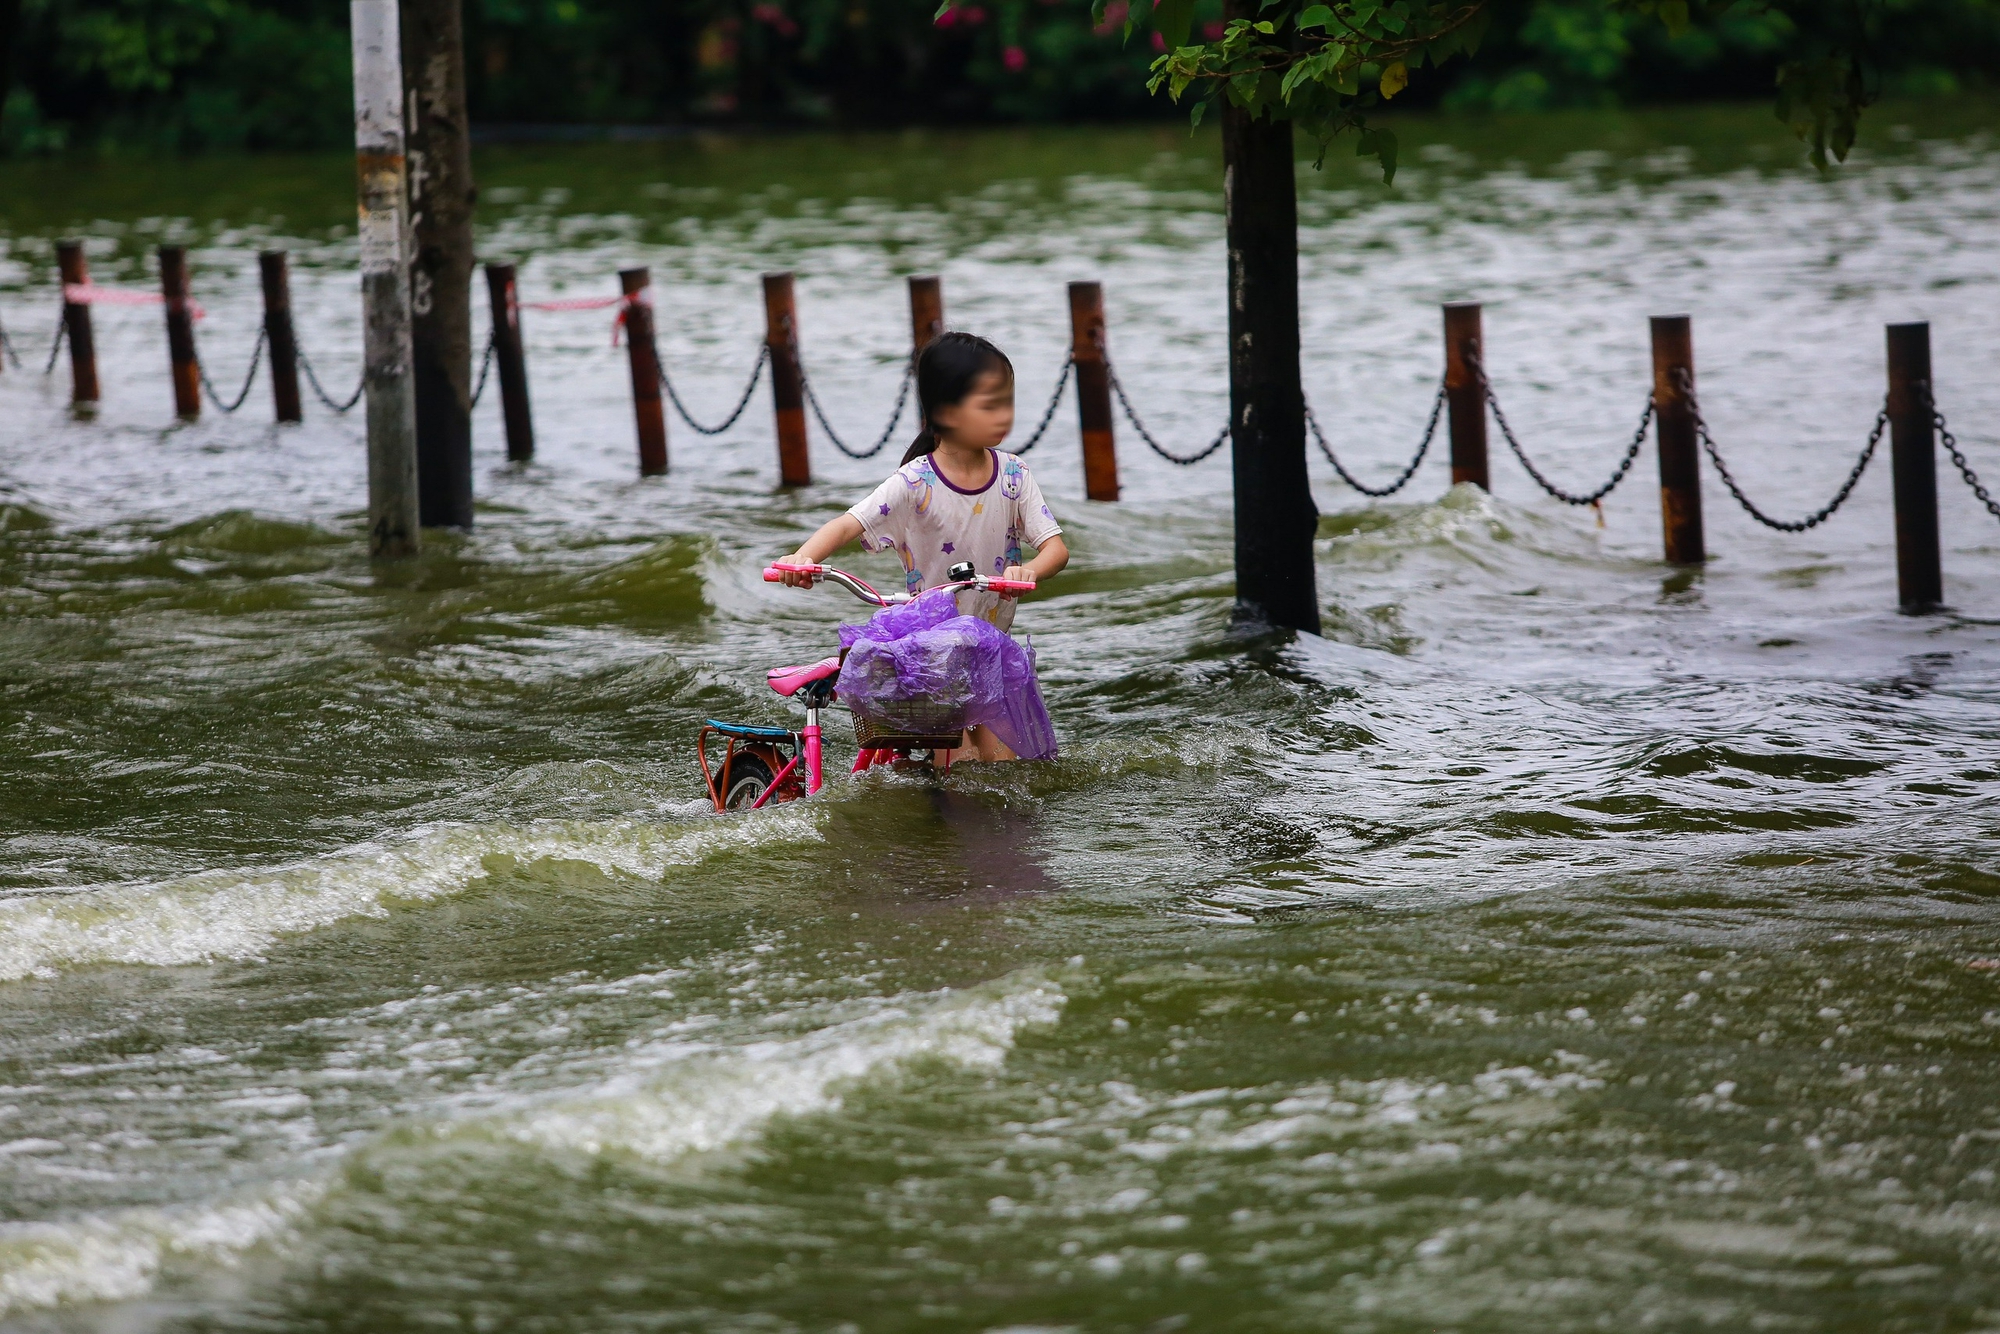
(1159, 42)
(1114, 18)
(974, 15)
(1212, 32)
(1015, 59)
(948, 19)
(775, 18)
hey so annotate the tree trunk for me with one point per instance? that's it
(1275, 517)
(441, 200)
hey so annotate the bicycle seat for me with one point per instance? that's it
(790, 680)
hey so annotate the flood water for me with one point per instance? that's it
(1564, 941)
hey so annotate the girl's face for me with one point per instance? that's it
(983, 417)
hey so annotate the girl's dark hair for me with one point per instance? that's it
(947, 369)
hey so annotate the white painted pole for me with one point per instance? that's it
(385, 293)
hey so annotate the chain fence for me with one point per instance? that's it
(1958, 456)
(319, 390)
(742, 402)
(1184, 460)
(1403, 478)
(1817, 517)
(1049, 413)
(895, 414)
(1566, 497)
(56, 344)
(485, 365)
(249, 377)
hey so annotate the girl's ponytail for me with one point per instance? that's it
(922, 445)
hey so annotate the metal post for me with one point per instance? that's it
(1465, 392)
(1913, 468)
(76, 324)
(644, 356)
(926, 311)
(512, 362)
(385, 293)
(788, 397)
(1680, 456)
(180, 332)
(1093, 390)
(282, 344)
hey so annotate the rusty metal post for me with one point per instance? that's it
(926, 311)
(1680, 455)
(180, 332)
(282, 344)
(1465, 392)
(1093, 390)
(788, 395)
(644, 355)
(513, 362)
(76, 324)
(1913, 468)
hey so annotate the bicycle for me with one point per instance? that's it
(767, 765)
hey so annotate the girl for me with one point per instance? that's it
(956, 497)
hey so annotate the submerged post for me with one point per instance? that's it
(1673, 424)
(180, 332)
(788, 385)
(644, 356)
(1093, 390)
(512, 362)
(1465, 392)
(393, 531)
(282, 342)
(1913, 468)
(926, 311)
(76, 324)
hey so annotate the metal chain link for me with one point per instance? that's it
(902, 397)
(1814, 520)
(1049, 413)
(1184, 460)
(485, 365)
(1402, 480)
(250, 376)
(305, 364)
(756, 374)
(1957, 458)
(56, 344)
(1507, 433)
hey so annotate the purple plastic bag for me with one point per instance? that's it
(925, 668)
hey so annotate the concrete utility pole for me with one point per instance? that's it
(441, 199)
(385, 292)
(1276, 520)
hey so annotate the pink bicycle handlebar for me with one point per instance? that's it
(775, 573)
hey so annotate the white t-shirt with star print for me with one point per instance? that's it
(932, 525)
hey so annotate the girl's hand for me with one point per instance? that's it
(793, 579)
(1014, 572)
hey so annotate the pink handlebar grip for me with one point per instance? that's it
(775, 572)
(1011, 585)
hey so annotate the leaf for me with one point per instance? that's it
(1380, 145)
(1315, 16)
(1174, 18)
(1195, 115)
(946, 8)
(1394, 80)
(1674, 13)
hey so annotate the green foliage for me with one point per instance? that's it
(1329, 65)
(193, 74)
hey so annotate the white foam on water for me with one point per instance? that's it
(682, 1098)
(236, 914)
(695, 1097)
(122, 1255)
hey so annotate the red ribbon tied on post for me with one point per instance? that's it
(90, 294)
